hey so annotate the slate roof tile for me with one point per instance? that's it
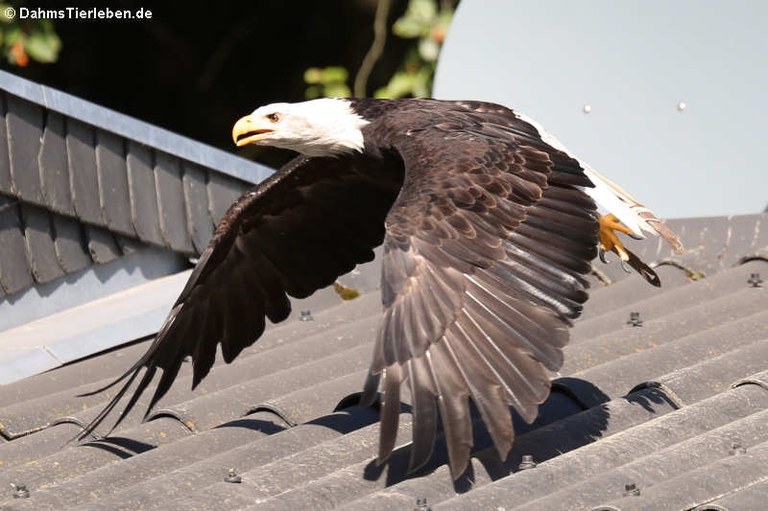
(76, 177)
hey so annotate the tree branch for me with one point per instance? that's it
(376, 49)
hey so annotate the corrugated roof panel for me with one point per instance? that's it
(32, 447)
(56, 469)
(156, 463)
(632, 288)
(622, 373)
(540, 444)
(658, 305)
(290, 471)
(663, 465)
(714, 375)
(342, 479)
(753, 496)
(701, 485)
(208, 410)
(602, 457)
(198, 477)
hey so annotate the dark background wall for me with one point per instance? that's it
(195, 67)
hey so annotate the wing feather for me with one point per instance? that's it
(294, 233)
(480, 282)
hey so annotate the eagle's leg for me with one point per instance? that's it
(609, 239)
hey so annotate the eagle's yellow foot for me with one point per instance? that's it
(609, 239)
(610, 242)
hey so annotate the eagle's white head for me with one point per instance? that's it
(321, 127)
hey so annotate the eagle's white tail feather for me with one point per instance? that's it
(614, 200)
(612, 197)
(627, 209)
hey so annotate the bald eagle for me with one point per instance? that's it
(488, 224)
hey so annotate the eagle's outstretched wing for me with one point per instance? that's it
(294, 233)
(484, 254)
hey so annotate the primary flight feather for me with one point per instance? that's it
(488, 225)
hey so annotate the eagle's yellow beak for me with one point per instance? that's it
(248, 130)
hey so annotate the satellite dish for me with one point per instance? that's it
(667, 98)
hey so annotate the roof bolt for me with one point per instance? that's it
(527, 462)
(755, 280)
(587, 108)
(187, 359)
(421, 505)
(20, 491)
(634, 319)
(232, 477)
(631, 490)
(306, 315)
(681, 106)
(737, 448)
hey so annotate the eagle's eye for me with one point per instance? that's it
(273, 117)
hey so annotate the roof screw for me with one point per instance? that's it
(306, 315)
(527, 462)
(20, 491)
(421, 505)
(631, 490)
(634, 319)
(232, 477)
(737, 448)
(755, 280)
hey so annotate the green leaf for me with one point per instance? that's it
(423, 10)
(335, 74)
(418, 19)
(43, 46)
(337, 90)
(407, 28)
(429, 49)
(400, 85)
(313, 75)
(313, 92)
(13, 34)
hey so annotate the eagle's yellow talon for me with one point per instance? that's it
(609, 240)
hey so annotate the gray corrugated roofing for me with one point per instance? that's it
(676, 407)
